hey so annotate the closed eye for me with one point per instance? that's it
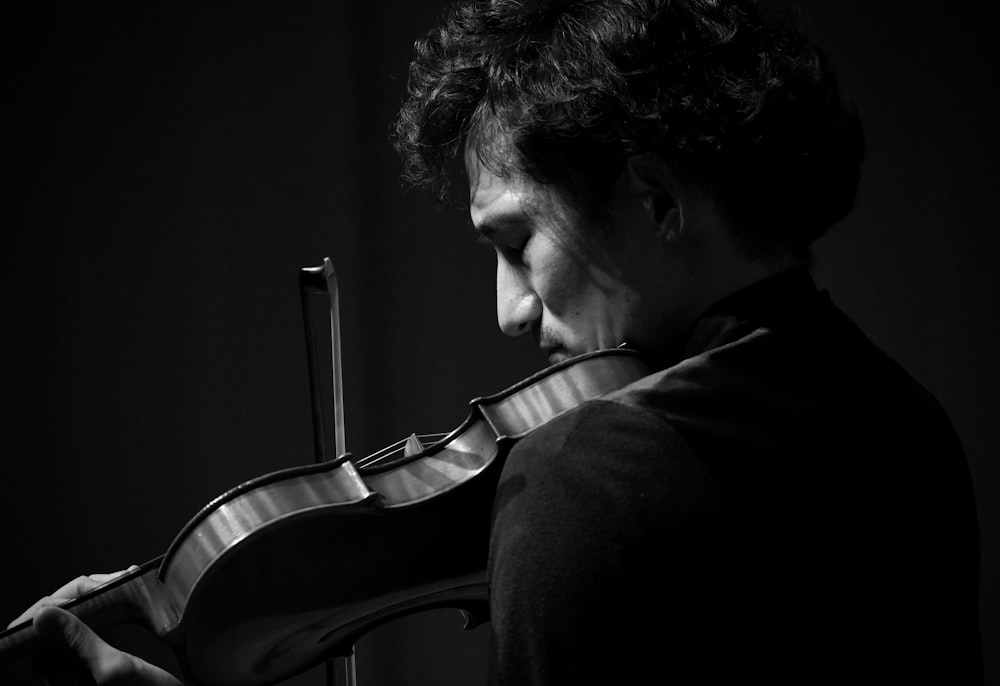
(510, 244)
(512, 253)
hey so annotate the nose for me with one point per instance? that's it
(518, 306)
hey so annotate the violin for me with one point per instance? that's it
(285, 571)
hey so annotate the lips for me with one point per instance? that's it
(551, 345)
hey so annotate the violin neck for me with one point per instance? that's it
(136, 597)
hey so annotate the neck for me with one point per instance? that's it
(716, 268)
(729, 276)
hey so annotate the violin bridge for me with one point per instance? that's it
(413, 446)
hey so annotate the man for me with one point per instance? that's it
(778, 500)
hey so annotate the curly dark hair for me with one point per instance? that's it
(564, 90)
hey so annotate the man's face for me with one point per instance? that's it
(577, 286)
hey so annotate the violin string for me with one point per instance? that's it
(380, 455)
(398, 447)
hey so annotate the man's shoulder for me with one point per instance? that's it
(803, 371)
(600, 429)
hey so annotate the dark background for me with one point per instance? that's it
(174, 165)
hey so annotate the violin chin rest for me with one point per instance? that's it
(474, 618)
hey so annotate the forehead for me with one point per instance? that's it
(503, 197)
(492, 195)
(505, 206)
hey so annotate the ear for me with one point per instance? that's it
(651, 180)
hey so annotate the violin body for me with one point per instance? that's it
(305, 586)
(287, 570)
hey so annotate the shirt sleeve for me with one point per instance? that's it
(607, 536)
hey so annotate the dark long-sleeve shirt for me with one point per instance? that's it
(781, 502)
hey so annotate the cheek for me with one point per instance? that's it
(563, 284)
(576, 294)
(572, 289)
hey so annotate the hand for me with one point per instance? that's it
(74, 589)
(78, 651)
(78, 655)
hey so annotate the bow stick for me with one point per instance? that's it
(320, 283)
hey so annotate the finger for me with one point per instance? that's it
(105, 578)
(74, 589)
(62, 595)
(84, 584)
(47, 601)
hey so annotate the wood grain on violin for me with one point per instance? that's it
(287, 570)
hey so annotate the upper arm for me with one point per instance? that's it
(602, 519)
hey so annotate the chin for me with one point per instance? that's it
(557, 357)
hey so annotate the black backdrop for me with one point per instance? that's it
(175, 164)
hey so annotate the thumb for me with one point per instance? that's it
(66, 632)
(106, 664)
(62, 628)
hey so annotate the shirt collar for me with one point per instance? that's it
(770, 302)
